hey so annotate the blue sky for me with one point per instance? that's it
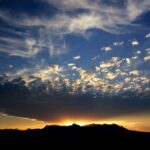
(101, 48)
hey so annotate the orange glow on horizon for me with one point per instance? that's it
(135, 122)
(87, 122)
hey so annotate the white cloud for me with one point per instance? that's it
(135, 43)
(20, 47)
(148, 49)
(73, 67)
(76, 57)
(111, 76)
(134, 72)
(106, 65)
(52, 29)
(147, 58)
(128, 61)
(134, 57)
(101, 16)
(19, 73)
(96, 57)
(98, 15)
(106, 49)
(127, 80)
(118, 43)
(51, 37)
(71, 64)
(138, 52)
(147, 35)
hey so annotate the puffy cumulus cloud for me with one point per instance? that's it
(147, 35)
(128, 61)
(148, 51)
(138, 52)
(71, 64)
(118, 43)
(127, 80)
(115, 61)
(99, 80)
(134, 57)
(76, 57)
(106, 49)
(134, 42)
(111, 76)
(76, 80)
(106, 65)
(134, 72)
(147, 58)
(47, 73)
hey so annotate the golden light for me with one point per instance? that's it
(68, 123)
(80, 123)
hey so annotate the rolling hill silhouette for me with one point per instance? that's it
(91, 135)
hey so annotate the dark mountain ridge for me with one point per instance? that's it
(102, 135)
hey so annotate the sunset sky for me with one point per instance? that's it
(74, 61)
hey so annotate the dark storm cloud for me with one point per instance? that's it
(20, 100)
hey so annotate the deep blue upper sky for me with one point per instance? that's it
(76, 46)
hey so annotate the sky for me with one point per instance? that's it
(73, 61)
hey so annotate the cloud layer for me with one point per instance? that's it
(113, 81)
(67, 17)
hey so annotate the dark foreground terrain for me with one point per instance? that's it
(74, 136)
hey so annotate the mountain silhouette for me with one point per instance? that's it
(90, 135)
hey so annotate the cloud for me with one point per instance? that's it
(106, 65)
(51, 92)
(118, 43)
(147, 35)
(134, 72)
(71, 65)
(147, 58)
(76, 57)
(138, 52)
(19, 47)
(32, 46)
(111, 76)
(46, 104)
(49, 72)
(148, 51)
(51, 30)
(128, 61)
(134, 43)
(127, 80)
(97, 15)
(114, 61)
(96, 57)
(106, 49)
